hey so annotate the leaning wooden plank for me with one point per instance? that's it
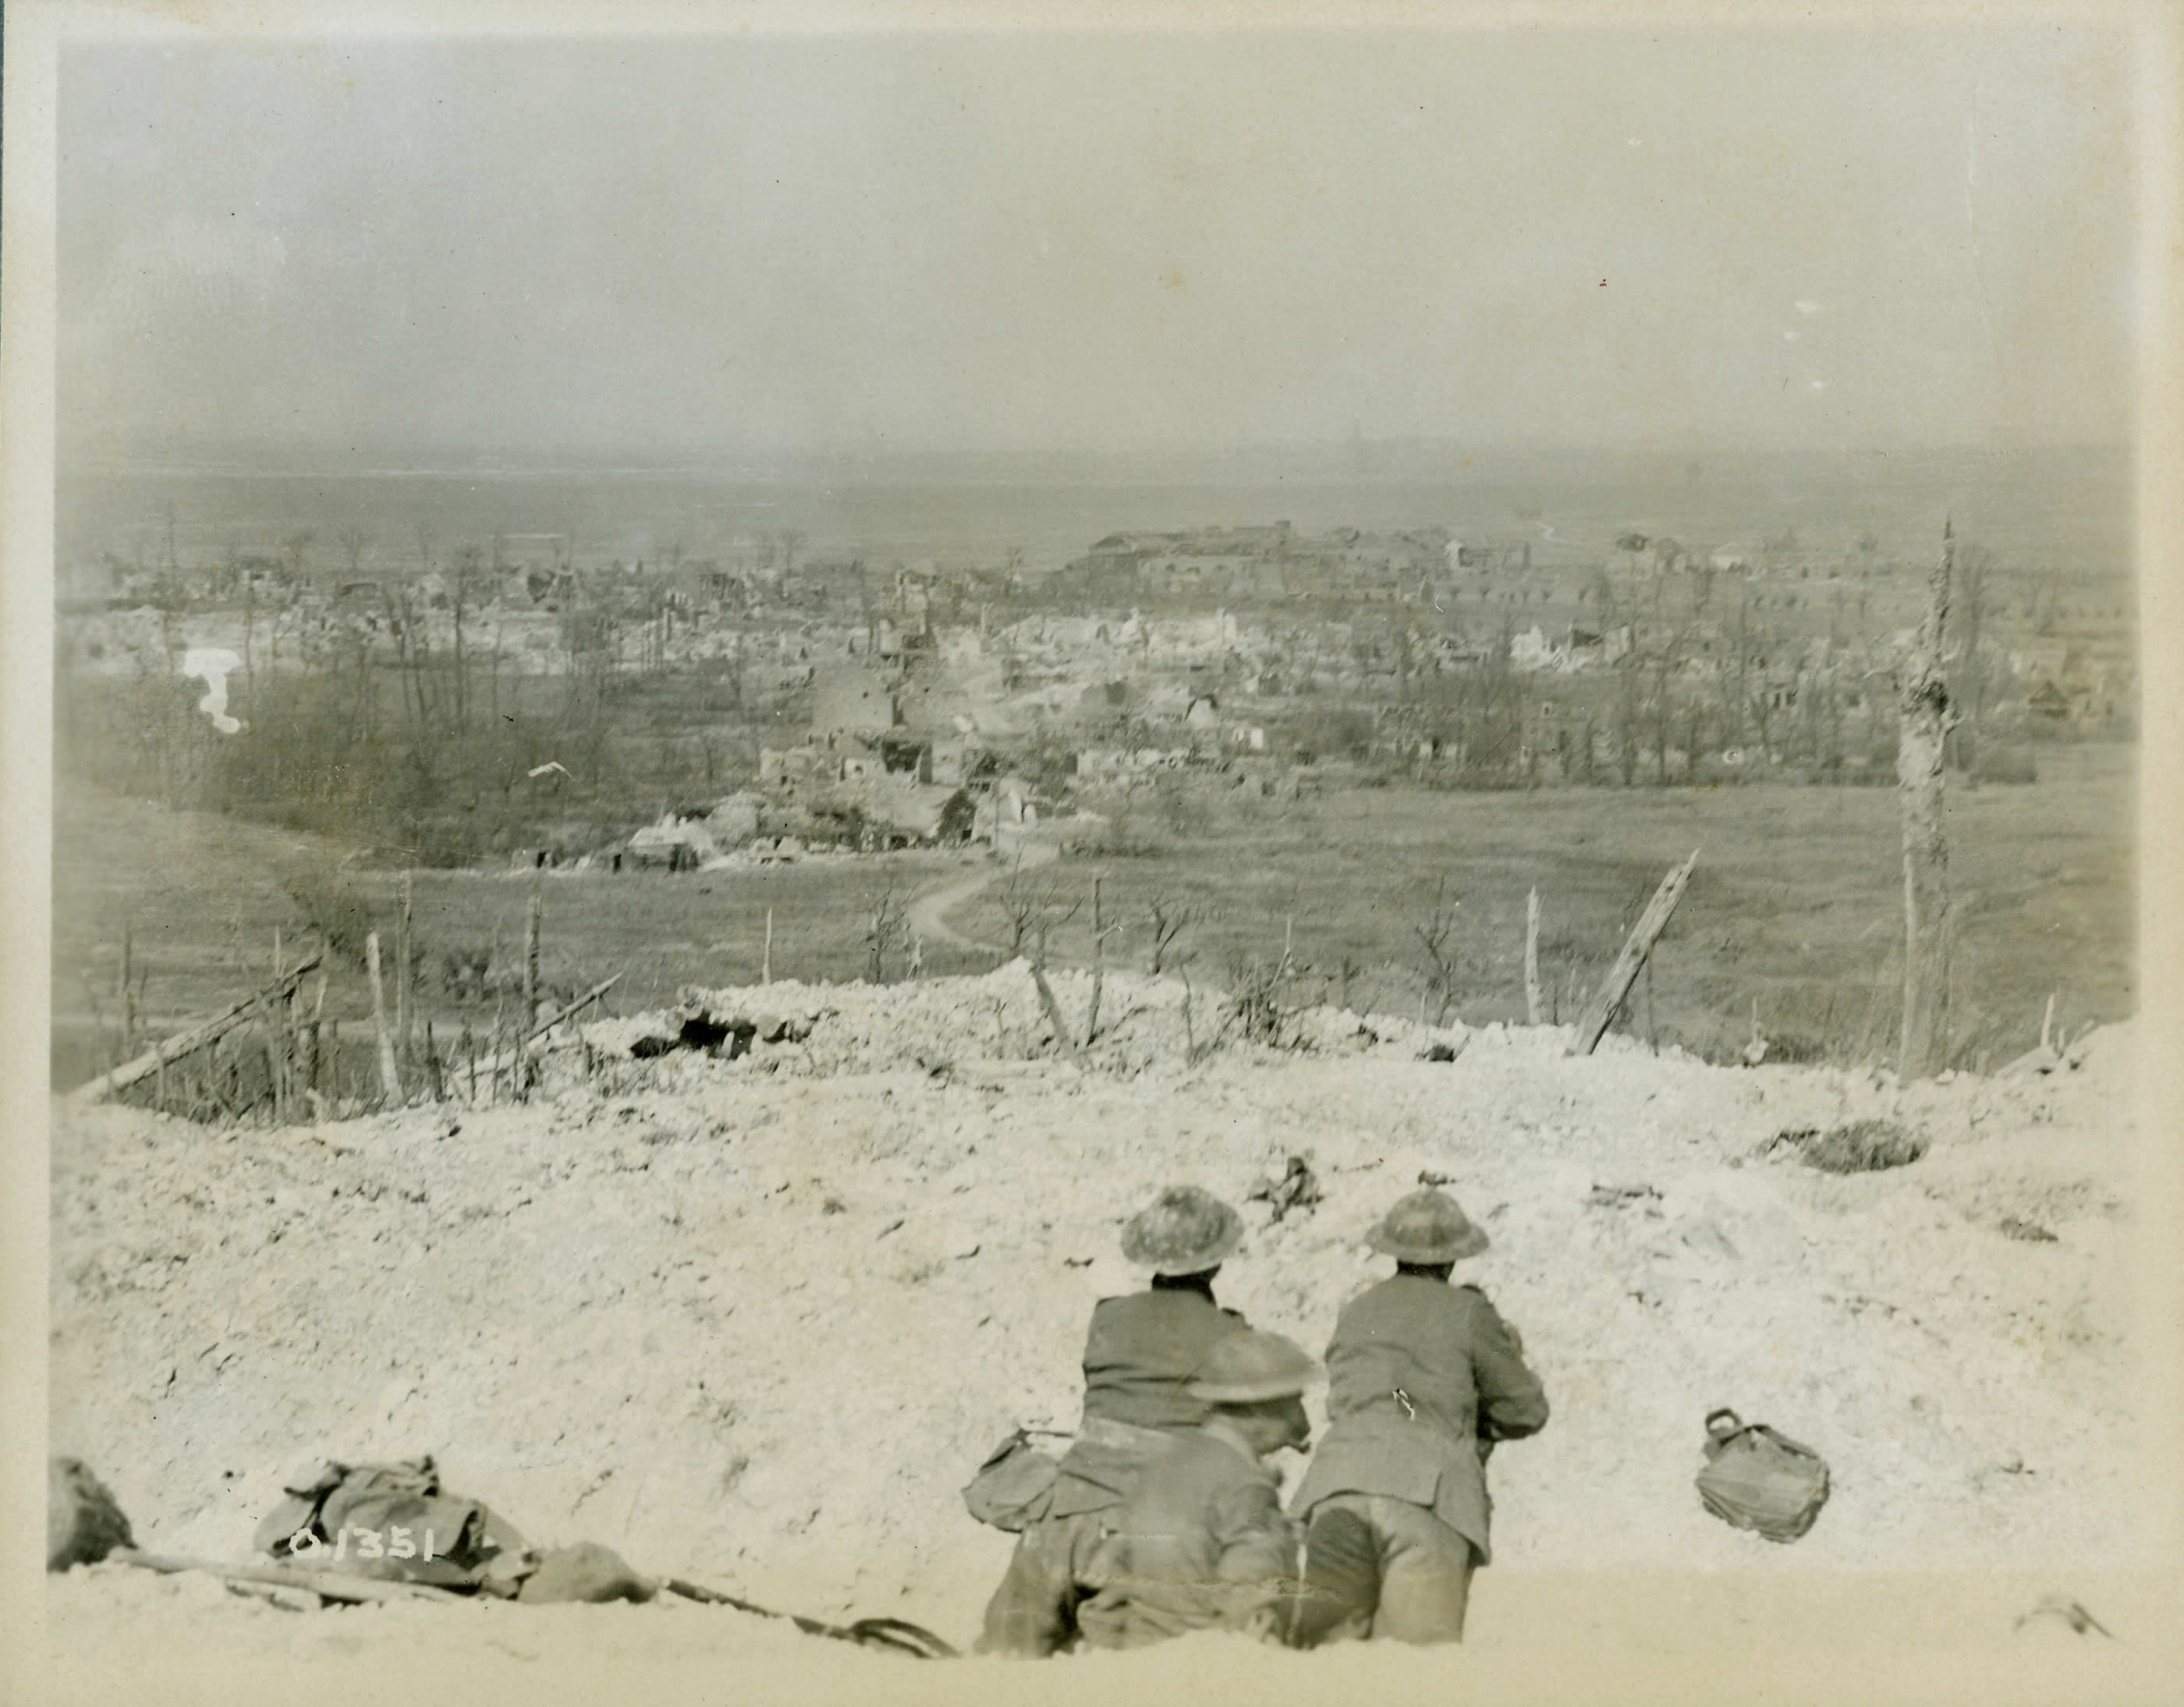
(1061, 1032)
(1624, 972)
(190, 1038)
(501, 1063)
(330, 1585)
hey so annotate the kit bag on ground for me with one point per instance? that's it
(1010, 1485)
(383, 1520)
(1758, 1479)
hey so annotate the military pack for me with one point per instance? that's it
(1759, 1479)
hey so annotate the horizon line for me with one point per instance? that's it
(471, 457)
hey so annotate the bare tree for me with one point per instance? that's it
(1669, 652)
(293, 546)
(1263, 994)
(1967, 609)
(355, 543)
(1035, 909)
(1435, 933)
(1625, 713)
(887, 933)
(468, 566)
(1167, 920)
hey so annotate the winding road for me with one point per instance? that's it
(928, 913)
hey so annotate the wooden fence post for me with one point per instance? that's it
(402, 948)
(1099, 967)
(1532, 958)
(532, 919)
(123, 995)
(390, 1075)
(269, 1034)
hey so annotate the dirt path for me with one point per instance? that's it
(928, 913)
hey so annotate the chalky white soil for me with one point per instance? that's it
(756, 1321)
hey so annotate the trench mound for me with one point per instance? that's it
(939, 1026)
(757, 1324)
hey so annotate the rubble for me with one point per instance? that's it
(823, 1031)
(790, 1297)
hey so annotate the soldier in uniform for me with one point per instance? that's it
(1139, 1357)
(1423, 1377)
(1201, 1543)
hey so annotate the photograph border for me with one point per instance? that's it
(1822, 1606)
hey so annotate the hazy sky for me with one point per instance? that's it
(1794, 237)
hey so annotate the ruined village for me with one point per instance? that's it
(835, 703)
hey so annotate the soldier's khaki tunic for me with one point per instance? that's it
(1139, 1354)
(1201, 1543)
(1419, 1373)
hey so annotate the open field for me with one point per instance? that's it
(1794, 905)
(203, 895)
(1796, 902)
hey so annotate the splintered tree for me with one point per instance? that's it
(887, 934)
(1166, 919)
(355, 543)
(1034, 909)
(1438, 946)
(1924, 718)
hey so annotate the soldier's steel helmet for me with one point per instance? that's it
(1427, 1226)
(1182, 1232)
(1249, 1365)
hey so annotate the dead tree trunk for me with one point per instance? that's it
(1532, 959)
(531, 923)
(1923, 718)
(1616, 986)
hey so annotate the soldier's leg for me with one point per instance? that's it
(1342, 1574)
(1425, 1575)
(1033, 1613)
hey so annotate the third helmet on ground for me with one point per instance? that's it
(1184, 1230)
(1427, 1226)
